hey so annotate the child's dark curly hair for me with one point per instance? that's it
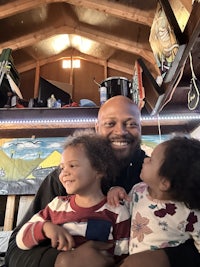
(99, 153)
(182, 167)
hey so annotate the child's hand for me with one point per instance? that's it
(117, 194)
(60, 238)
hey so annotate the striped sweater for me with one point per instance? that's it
(101, 222)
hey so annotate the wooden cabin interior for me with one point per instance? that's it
(150, 47)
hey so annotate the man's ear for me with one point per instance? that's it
(164, 184)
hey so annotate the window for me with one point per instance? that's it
(68, 63)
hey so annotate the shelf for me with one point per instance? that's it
(45, 122)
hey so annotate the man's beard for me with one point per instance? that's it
(125, 160)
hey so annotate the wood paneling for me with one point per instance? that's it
(84, 86)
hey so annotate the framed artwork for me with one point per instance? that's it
(163, 40)
(25, 162)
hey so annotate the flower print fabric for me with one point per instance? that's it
(157, 224)
(139, 227)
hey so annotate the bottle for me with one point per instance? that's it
(31, 103)
(51, 101)
(9, 98)
(13, 101)
(103, 94)
(58, 104)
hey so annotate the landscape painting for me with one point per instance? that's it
(25, 162)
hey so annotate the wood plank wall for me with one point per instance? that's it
(83, 79)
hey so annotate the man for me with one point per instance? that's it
(119, 121)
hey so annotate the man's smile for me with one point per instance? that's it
(120, 143)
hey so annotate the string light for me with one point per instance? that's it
(46, 121)
(172, 117)
(93, 120)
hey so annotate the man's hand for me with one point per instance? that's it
(90, 254)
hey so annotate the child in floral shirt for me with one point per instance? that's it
(165, 207)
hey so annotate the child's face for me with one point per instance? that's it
(151, 166)
(77, 174)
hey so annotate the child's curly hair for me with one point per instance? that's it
(99, 153)
(181, 166)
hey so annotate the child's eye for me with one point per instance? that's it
(61, 167)
(73, 165)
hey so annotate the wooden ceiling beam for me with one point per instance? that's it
(34, 37)
(116, 66)
(107, 39)
(113, 41)
(187, 4)
(67, 53)
(116, 42)
(118, 10)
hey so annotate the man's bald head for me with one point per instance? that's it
(119, 103)
(119, 121)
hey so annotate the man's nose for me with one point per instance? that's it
(120, 128)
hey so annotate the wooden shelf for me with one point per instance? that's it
(44, 122)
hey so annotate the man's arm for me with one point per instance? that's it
(183, 255)
(148, 258)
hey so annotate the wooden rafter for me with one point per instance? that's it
(114, 9)
(107, 39)
(32, 64)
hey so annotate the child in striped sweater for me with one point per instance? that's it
(87, 166)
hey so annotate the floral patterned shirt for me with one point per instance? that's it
(158, 224)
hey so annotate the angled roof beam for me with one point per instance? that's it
(110, 40)
(105, 6)
(67, 53)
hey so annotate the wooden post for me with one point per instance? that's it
(106, 70)
(71, 77)
(9, 214)
(37, 79)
